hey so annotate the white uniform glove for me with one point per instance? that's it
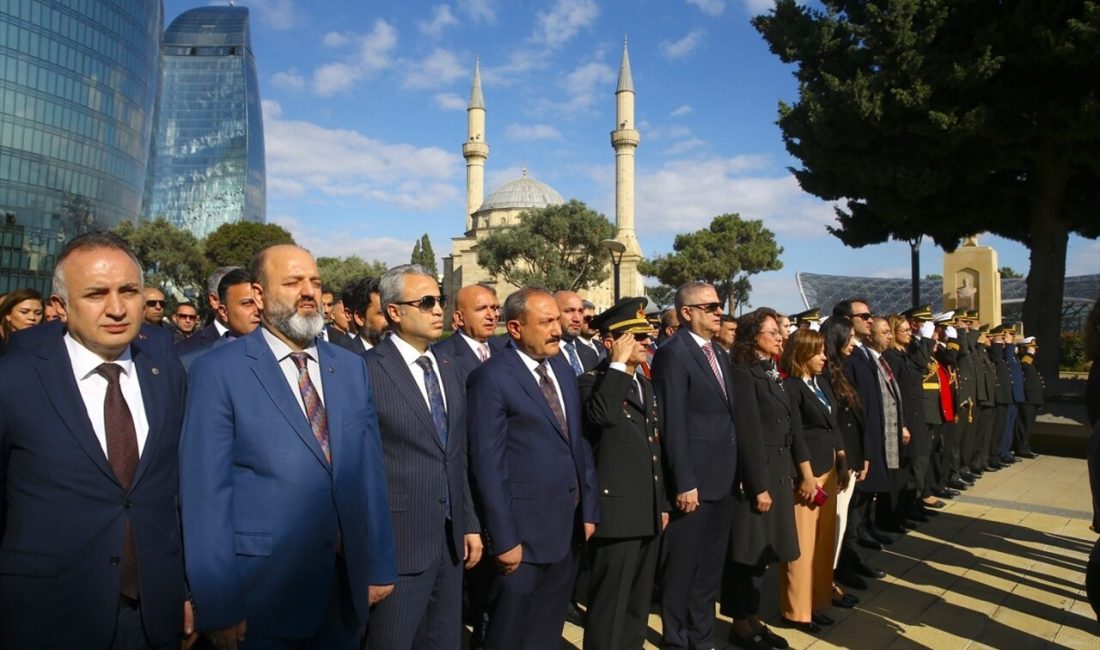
(926, 329)
(952, 333)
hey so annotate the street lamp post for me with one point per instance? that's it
(616, 248)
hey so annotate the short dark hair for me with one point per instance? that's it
(186, 303)
(91, 241)
(728, 318)
(359, 293)
(515, 305)
(844, 307)
(233, 278)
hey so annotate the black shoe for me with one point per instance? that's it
(993, 468)
(957, 485)
(868, 543)
(850, 579)
(1030, 455)
(822, 619)
(943, 493)
(808, 628)
(575, 616)
(937, 504)
(918, 515)
(976, 472)
(870, 572)
(968, 476)
(755, 642)
(838, 594)
(1007, 460)
(845, 602)
(879, 536)
(773, 639)
(897, 529)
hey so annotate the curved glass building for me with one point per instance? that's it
(78, 86)
(207, 166)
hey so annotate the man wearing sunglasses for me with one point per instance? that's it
(691, 377)
(422, 418)
(154, 307)
(186, 319)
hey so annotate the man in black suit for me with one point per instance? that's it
(620, 414)
(692, 382)
(237, 312)
(366, 313)
(216, 327)
(89, 430)
(580, 357)
(421, 402)
(590, 336)
(474, 321)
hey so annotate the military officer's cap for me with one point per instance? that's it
(626, 317)
(811, 315)
(921, 312)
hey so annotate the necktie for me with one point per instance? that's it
(435, 398)
(712, 359)
(550, 393)
(315, 410)
(574, 360)
(821, 394)
(886, 369)
(483, 352)
(122, 456)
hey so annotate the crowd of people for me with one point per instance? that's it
(316, 468)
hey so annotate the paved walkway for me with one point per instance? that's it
(1001, 567)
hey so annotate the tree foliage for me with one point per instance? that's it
(339, 272)
(424, 255)
(557, 247)
(235, 244)
(169, 255)
(661, 296)
(945, 118)
(724, 254)
(1009, 272)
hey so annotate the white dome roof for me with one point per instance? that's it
(522, 193)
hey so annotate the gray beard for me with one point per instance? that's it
(302, 330)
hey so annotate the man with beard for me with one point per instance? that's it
(366, 313)
(589, 335)
(282, 481)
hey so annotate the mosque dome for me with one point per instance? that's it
(523, 193)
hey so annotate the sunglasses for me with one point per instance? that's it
(708, 307)
(426, 303)
(186, 316)
(865, 315)
(588, 319)
(641, 336)
(154, 303)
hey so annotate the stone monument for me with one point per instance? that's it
(971, 280)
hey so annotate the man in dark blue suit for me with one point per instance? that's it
(282, 481)
(89, 426)
(236, 309)
(217, 326)
(533, 475)
(691, 379)
(421, 402)
(365, 308)
(579, 356)
(475, 318)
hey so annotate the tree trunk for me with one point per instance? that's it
(1046, 279)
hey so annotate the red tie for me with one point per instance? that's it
(122, 455)
(708, 350)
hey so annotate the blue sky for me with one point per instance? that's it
(364, 115)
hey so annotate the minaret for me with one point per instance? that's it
(475, 150)
(625, 139)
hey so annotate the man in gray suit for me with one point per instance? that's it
(421, 404)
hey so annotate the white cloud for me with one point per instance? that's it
(519, 62)
(1083, 257)
(757, 7)
(373, 52)
(449, 102)
(685, 195)
(494, 178)
(277, 14)
(584, 86)
(684, 146)
(683, 47)
(682, 110)
(481, 11)
(711, 7)
(531, 132)
(439, 68)
(308, 159)
(442, 18)
(563, 21)
(325, 242)
(288, 80)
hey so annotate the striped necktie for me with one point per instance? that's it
(315, 410)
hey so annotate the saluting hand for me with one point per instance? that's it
(622, 349)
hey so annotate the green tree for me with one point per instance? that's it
(945, 118)
(1009, 272)
(235, 244)
(338, 272)
(424, 255)
(557, 247)
(724, 254)
(169, 255)
(661, 296)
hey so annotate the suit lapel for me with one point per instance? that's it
(453, 388)
(154, 399)
(393, 364)
(271, 377)
(523, 376)
(333, 382)
(55, 371)
(696, 353)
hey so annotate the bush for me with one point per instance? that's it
(1073, 353)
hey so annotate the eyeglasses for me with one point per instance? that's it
(708, 307)
(775, 333)
(154, 303)
(186, 316)
(426, 303)
(588, 319)
(865, 315)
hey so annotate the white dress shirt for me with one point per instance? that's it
(282, 354)
(476, 346)
(621, 367)
(532, 364)
(93, 390)
(221, 329)
(410, 355)
(701, 342)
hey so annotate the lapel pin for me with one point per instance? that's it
(331, 370)
(156, 371)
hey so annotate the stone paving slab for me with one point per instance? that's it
(1001, 567)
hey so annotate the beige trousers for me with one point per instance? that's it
(806, 585)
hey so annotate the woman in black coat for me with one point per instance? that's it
(768, 450)
(910, 377)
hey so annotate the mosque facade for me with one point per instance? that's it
(507, 204)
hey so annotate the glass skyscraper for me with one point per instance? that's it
(78, 84)
(207, 164)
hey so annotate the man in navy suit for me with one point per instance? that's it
(236, 309)
(89, 427)
(579, 356)
(533, 475)
(282, 480)
(217, 326)
(691, 379)
(475, 318)
(366, 312)
(421, 402)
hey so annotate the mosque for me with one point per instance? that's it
(507, 204)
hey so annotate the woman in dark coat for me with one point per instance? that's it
(910, 377)
(768, 450)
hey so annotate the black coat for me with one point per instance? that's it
(1033, 384)
(1003, 392)
(910, 378)
(769, 448)
(861, 371)
(850, 421)
(820, 429)
(627, 450)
